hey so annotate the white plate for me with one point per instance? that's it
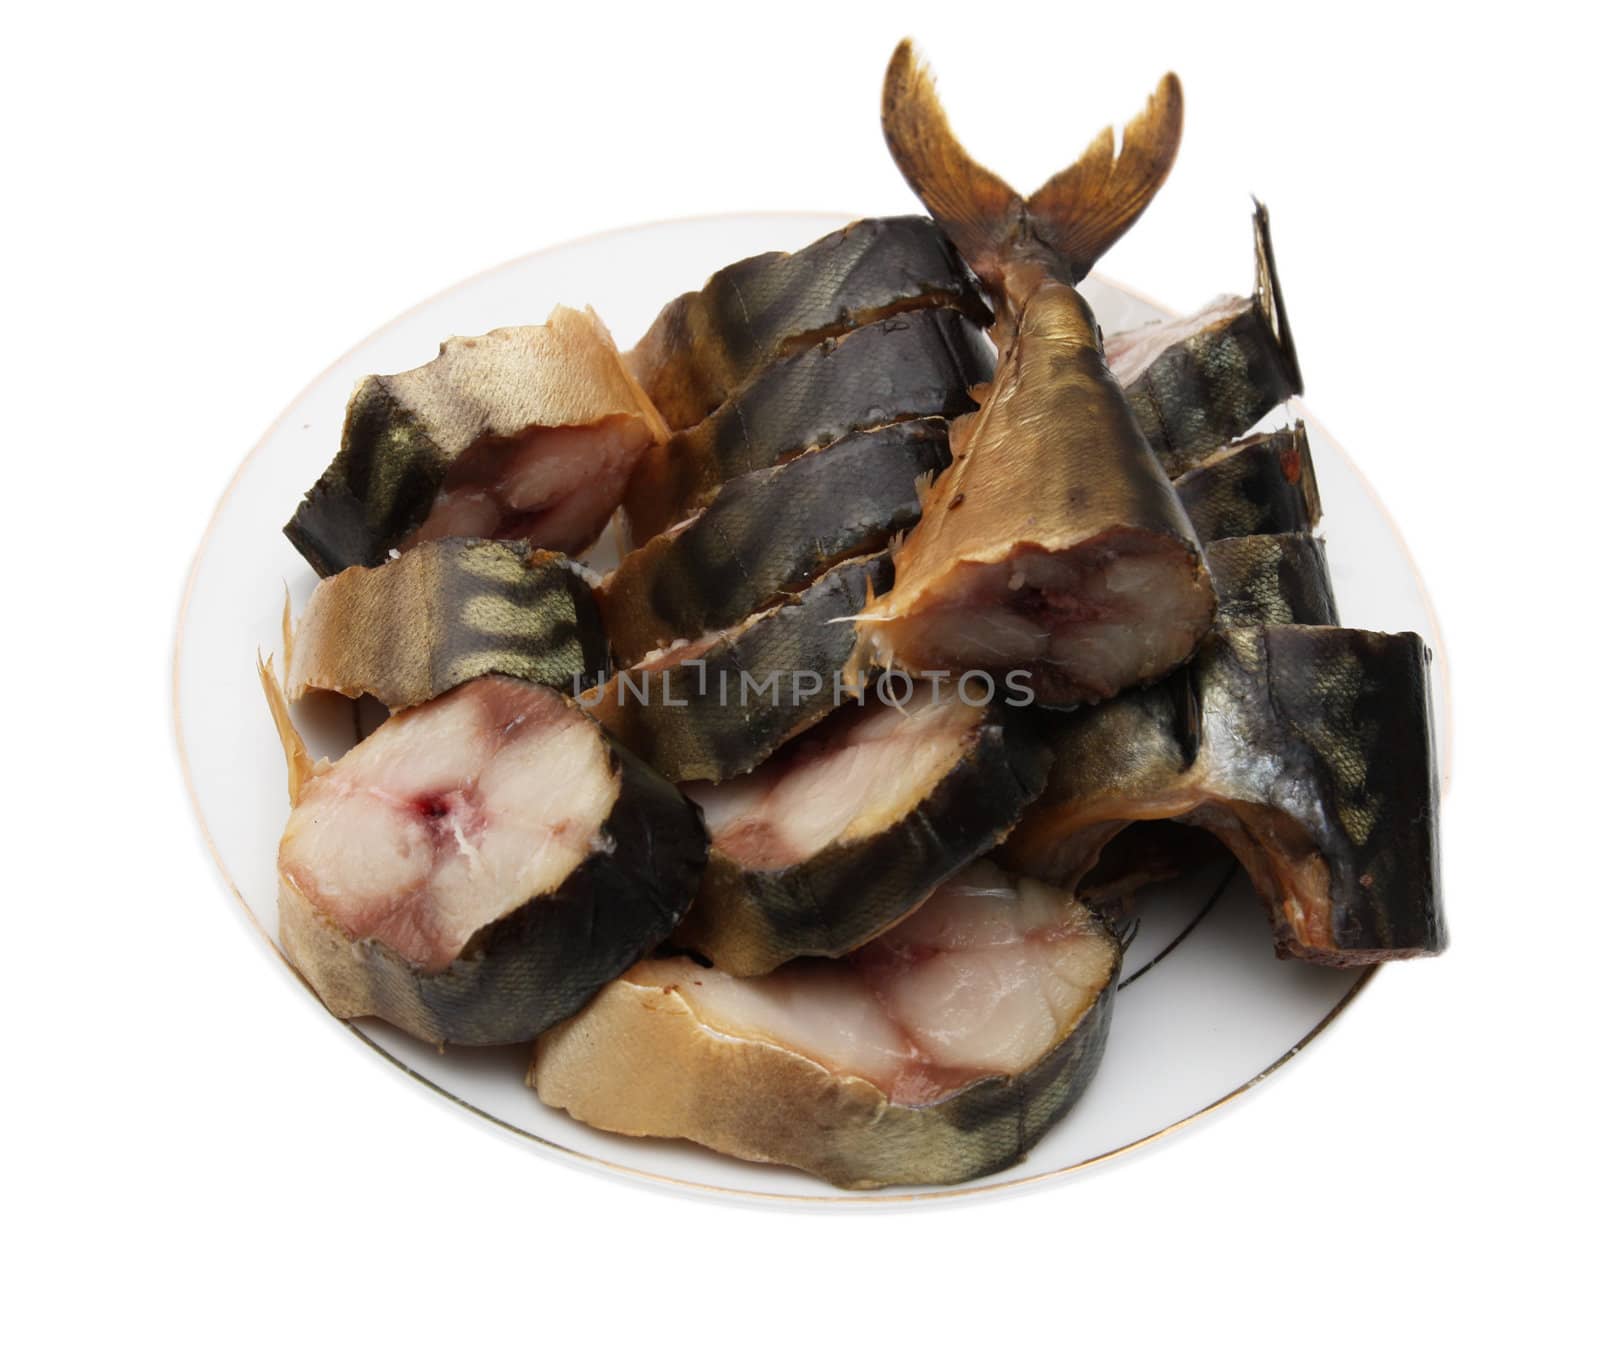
(1205, 1010)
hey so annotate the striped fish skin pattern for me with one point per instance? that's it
(1347, 714)
(1230, 372)
(912, 365)
(748, 921)
(1281, 579)
(769, 533)
(695, 722)
(445, 612)
(1265, 483)
(377, 489)
(706, 345)
(1307, 750)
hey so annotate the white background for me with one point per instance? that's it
(203, 206)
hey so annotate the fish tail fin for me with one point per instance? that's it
(295, 755)
(1082, 211)
(977, 210)
(1269, 297)
(1078, 213)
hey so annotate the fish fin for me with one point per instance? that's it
(288, 635)
(1077, 214)
(1269, 296)
(977, 210)
(1082, 211)
(295, 755)
(864, 655)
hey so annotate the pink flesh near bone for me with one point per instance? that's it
(450, 816)
(1130, 353)
(862, 774)
(555, 487)
(981, 981)
(1092, 614)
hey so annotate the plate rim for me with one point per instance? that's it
(609, 1167)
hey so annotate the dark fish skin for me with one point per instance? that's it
(378, 488)
(537, 965)
(769, 533)
(748, 921)
(446, 612)
(1272, 580)
(1262, 484)
(1348, 714)
(705, 346)
(1306, 750)
(912, 365)
(706, 731)
(1224, 376)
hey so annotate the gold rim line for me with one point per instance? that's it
(622, 1169)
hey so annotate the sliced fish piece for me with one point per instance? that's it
(718, 706)
(706, 346)
(526, 433)
(770, 533)
(446, 612)
(1306, 750)
(1266, 580)
(1202, 381)
(1259, 485)
(912, 365)
(476, 868)
(848, 829)
(1054, 544)
(938, 1053)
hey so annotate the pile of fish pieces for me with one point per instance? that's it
(682, 829)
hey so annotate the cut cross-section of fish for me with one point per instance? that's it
(769, 534)
(477, 867)
(1202, 381)
(705, 346)
(912, 365)
(1306, 750)
(1260, 485)
(446, 612)
(1267, 580)
(845, 831)
(1054, 544)
(718, 706)
(526, 433)
(940, 1052)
